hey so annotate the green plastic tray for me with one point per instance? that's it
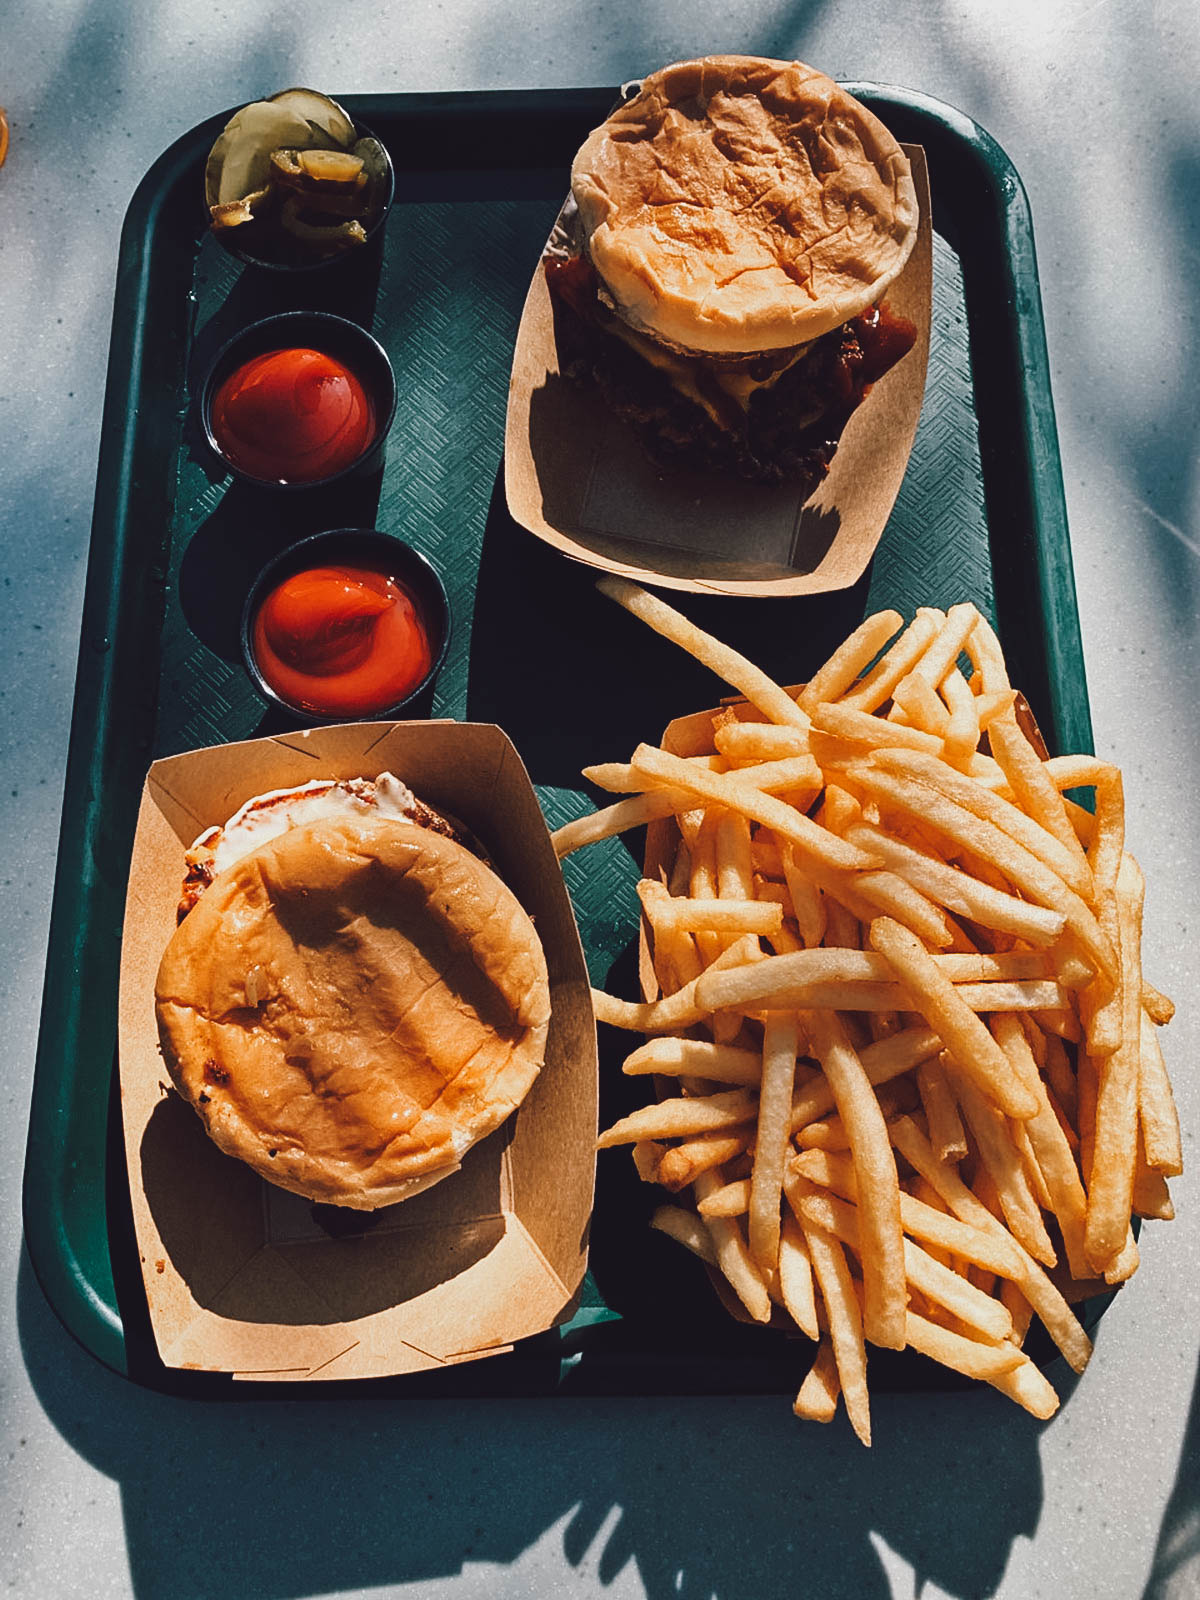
(480, 177)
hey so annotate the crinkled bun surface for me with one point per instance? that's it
(352, 1006)
(740, 204)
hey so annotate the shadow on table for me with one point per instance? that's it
(1176, 1569)
(708, 1497)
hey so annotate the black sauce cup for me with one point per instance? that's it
(275, 252)
(333, 336)
(355, 547)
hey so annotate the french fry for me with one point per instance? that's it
(735, 884)
(1160, 1008)
(875, 1171)
(845, 1325)
(962, 732)
(987, 657)
(1060, 1020)
(618, 777)
(766, 857)
(870, 692)
(1114, 1153)
(731, 1200)
(777, 894)
(1108, 839)
(1087, 1087)
(700, 1058)
(976, 1053)
(1019, 1310)
(840, 965)
(683, 1163)
(940, 658)
(792, 773)
(677, 914)
(780, 1039)
(1057, 1070)
(1030, 1389)
(1125, 1263)
(1151, 1197)
(743, 675)
(818, 1396)
(796, 1278)
(945, 1127)
(760, 741)
(675, 957)
(1065, 1194)
(889, 895)
(1100, 1002)
(842, 928)
(735, 870)
(733, 1257)
(848, 660)
(688, 1229)
(703, 880)
(989, 707)
(864, 896)
(1156, 1105)
(986, 1361)
(854, 980)
(678, 1010)
(647, 1157)
(1033, 787)
(1003, 1161)
(860, 727)
(635, 812)
(919, 701)
(675, 1011)
(677, 1119)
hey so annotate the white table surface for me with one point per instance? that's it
(107, 1490)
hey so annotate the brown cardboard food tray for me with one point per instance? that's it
(577, 477)
(242, 1277)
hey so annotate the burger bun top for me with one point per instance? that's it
(353, 1005)
(740, 204)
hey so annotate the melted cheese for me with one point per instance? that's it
(267, 816)
(736, 382)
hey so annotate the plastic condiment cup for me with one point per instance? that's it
(354, 547)
(226, 237)
(333, 336)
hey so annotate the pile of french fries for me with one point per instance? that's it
(907, 1059)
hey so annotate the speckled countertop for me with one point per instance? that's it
(106, 1490)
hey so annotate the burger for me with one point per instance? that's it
(352, 998)
(719, 273)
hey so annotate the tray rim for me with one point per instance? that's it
(57, 1249)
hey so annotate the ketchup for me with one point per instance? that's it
(292, 416)
(342, 640)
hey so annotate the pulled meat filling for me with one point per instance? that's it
(783, 425)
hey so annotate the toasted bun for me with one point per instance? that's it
(739, 204)
(352, 1006)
